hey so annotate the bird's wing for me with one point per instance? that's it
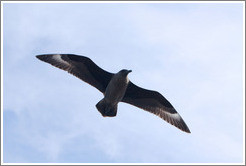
(81, 67)
(155, 103)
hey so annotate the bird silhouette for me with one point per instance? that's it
(116, 88)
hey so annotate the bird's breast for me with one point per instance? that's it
(116, 89)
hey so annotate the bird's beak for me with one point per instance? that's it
(129, 71)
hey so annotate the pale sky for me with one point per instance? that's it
(192, 53)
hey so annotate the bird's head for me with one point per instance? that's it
(124, 72)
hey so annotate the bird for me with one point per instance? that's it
(116, 87)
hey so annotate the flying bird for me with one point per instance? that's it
(116, 87)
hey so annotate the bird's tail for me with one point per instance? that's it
(106, 108)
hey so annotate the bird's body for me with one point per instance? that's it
(114, 93)
(116, 88)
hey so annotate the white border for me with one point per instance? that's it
(1, 83)
(244, 83)
(2, 2)
(121, 163)
(121, 2)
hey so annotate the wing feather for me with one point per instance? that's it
(155, 103)
(81, 67)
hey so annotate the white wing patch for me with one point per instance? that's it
(175, 116)
(58, 58)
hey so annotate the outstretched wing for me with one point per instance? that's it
(155, 103)
(81, 67)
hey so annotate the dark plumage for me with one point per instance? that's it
(116, 88)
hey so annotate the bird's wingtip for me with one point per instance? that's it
(38, 56)
(43, 56)
(188, 131)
